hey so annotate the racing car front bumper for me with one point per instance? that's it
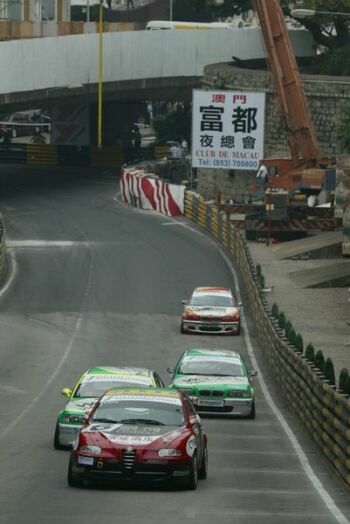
(200, 326)
(112, 470)
(67, 433)
(227, 406)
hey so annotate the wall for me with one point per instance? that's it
(326, 97)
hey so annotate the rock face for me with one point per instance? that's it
(326, 97)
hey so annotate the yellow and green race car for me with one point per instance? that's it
(217, 382)
(89, 388)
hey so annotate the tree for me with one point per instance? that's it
(329, 31)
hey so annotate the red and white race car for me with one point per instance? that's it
(140, 434)
(211, 310)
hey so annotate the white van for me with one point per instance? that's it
(164, 24)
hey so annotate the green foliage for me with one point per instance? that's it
(344, 128)
(258, 269)
(261, 280)
(214, 10)
(176, 124)
(288, 328)
(335, 62)
(343, 378)
(274, 310)
(319, 360)
(346, 385)
(328, 371)
(310, 352)
(328, 30)
(282, 320)
(299, 343)
(292, 336)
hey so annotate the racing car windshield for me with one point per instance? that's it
(211, 301)
(141, 413)
(96, 388)
(211, 367)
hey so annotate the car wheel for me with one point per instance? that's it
(252, 411)
(74, 480)
(56, 439)
(238, 332)
(193, 478)
(182, 328)
(203, 470)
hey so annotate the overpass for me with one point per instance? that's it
(138, 65)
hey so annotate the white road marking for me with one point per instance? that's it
(60, 364)
(11, 278)
(304, 462)
(41, 243)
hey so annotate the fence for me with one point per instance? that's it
(324, 411)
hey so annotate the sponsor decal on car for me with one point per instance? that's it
(212, 380)
(141, 379)
(155, 398)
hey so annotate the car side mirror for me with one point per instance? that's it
(253, 373)
(184, 302)
(170, 370)
(66, 392)
(240, 304)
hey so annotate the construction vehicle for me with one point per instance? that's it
(306, 172)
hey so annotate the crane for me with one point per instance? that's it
(305, 170)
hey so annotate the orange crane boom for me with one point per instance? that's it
(301, 134)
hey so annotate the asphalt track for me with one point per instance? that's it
(94, 282)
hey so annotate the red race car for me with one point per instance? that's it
(140, 434)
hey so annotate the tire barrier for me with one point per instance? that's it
(324, 411)
(148, 191)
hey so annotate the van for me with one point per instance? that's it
(165, 24)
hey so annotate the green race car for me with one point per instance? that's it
(89, 388)
(217, 381)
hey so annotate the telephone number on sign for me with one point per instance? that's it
(223, 162)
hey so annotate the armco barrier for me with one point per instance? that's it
(323, 411)
(2, 248)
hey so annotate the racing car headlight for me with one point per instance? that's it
(169, 452)
(236, 393)
(94, 450)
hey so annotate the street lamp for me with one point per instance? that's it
(100, 78)
(306, 13)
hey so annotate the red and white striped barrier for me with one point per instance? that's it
(148, 191)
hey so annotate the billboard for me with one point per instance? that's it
(228, 129)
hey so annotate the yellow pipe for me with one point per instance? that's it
(100, 80)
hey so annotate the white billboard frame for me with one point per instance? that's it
(228, 129)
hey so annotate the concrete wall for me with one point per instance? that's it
(326, 98)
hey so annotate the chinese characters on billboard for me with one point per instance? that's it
(228, 129)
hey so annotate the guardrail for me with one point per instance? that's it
(324, 411)
(2, 248)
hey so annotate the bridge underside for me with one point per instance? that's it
(159, 89)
